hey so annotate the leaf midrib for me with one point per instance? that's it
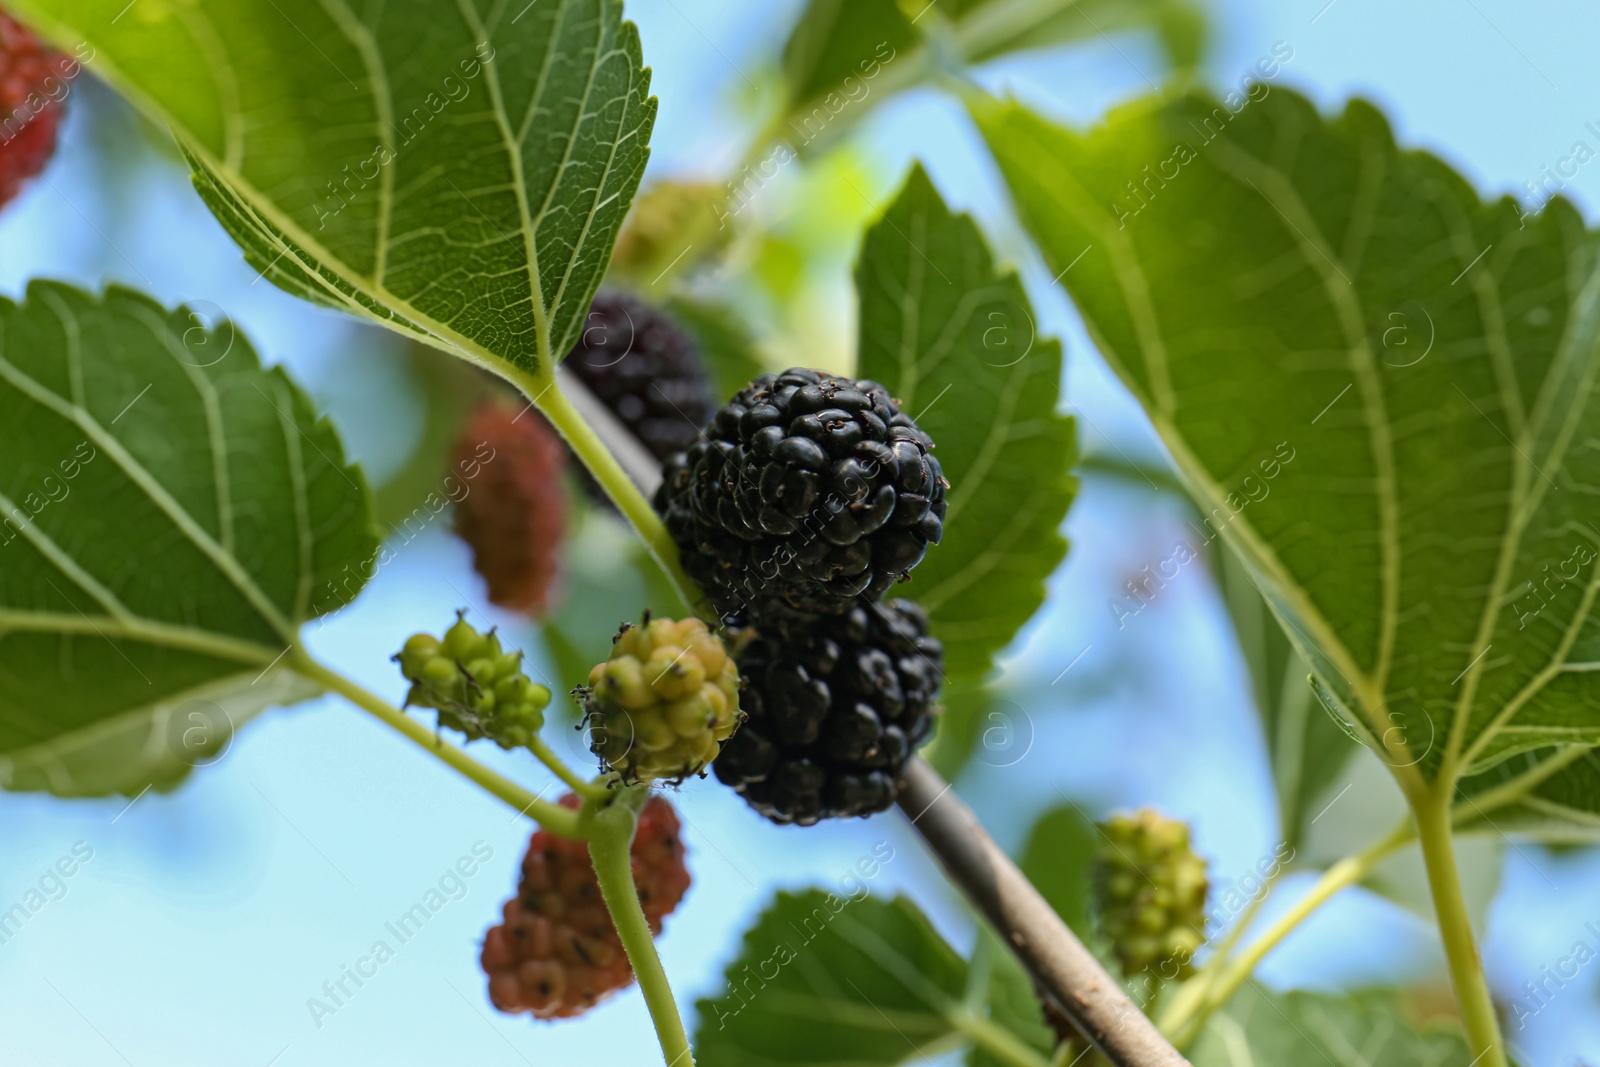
(1307, 235)
(358, 33)
(519, 181)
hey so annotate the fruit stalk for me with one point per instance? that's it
(602, 464)
(1197, 1000)
(1091, 998)
(610, 838)
(557, 766)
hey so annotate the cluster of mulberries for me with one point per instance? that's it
(796, 507)
(660, 706)
(557, 953)
(514, 513)
(477, 687)
(1150, 892)
(833, 713)
(32, 83)
(807, 497)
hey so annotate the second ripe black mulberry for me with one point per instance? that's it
(835, 711)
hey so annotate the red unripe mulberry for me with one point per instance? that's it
(515, 512)
(557, 954)
(33, 84)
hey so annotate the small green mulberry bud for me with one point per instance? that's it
(462, 641)
(476, 687)
(1150, 891)
(441, 675)
(660, 707)
(418, 651)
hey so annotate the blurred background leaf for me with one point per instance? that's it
(1368, 1028)
(1306, 746)
(829, 981)
(1058, 860)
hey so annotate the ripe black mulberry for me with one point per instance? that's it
(807, 494)
(646, 369)
(834, 712)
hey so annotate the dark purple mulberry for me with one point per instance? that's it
(646, 369)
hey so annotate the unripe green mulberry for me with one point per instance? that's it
(477, 687)
(1150, 889)
(660, 707)
(672, 224)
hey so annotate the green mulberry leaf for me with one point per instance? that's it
(170, 514)
(847, 980)
(1369, 1028)
(1380, 387)
(455, 170)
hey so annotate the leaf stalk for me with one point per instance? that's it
(1455, 929)
(553, 817)
(546, 394)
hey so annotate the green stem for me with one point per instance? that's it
(999, 1043)
(610, 844)
(985, 29)
(1223, 952)
(552, 817)
(1241, 926)
(1196, 1002)
(614, 480)
(1455, 928)
(1140, 475)
(1003, 22)
(547, 756)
